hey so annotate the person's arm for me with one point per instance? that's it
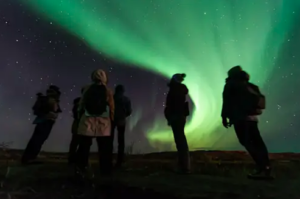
(186, 90)
(81, 102)
(53, 105)
(226, 102)
(111, 104)
(75, 108)
(128, 107)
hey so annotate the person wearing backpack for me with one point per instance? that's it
(96, 109)
(46, 110)
(176, 111)
(75, 138)
(242, 104)
(122, 111)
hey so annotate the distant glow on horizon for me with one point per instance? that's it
(200, 38)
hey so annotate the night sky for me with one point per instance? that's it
(37, 51)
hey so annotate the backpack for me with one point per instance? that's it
(256, 102)
(41, 106)
(95, 100)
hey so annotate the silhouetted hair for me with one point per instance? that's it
(54, 88)
(119, 89)
(234, 71)
(244, 76)
(239, 76)
(177, 79)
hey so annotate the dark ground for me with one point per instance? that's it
(216, 175)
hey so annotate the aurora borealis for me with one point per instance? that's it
(202, 38)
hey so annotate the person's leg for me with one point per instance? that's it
(121, 144)
(242, 130)
(248, 135)
(113, 127)
(40, 135)
(261, 151)
(47, 128)
(73, 148)
(83, 151)
(105, 155)
(181, 144)
(30, 148)
(112, 135)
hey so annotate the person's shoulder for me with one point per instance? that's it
(109, 91)
(230, 85)
(76, 100)
(85, 88)
(43, 97)
(253, 85)
(126, 98)
(183, 85)
(51, 100)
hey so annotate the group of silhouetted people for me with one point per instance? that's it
(98, 112)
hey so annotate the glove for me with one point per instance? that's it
(225, 122)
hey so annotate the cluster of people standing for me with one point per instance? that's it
(98, 112)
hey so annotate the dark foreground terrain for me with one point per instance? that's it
(216, 175)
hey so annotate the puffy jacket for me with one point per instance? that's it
(176, 104)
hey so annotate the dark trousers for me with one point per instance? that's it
(40, 135)
(249, 136)
(181, 143)
(74, 144)
(104, 151)
(121, 141)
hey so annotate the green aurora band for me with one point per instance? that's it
(202, 38)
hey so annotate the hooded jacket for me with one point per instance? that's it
(234, 97)
(176, 104)
(96, 125)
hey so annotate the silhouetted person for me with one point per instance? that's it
(97, 105)
(75, 138)
(122, 111)
(242, 103)
(46, 109)
(176, 112)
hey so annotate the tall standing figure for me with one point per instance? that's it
(96, 109)
(74, 144)
(176, 112)
(242, 103)
(122, 111)
(46, 110)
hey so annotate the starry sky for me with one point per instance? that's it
(141, 45)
